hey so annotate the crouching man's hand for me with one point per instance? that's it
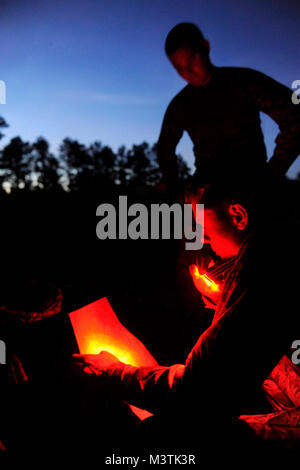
(94, 364)
(209, 297)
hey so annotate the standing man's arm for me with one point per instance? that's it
(275, 99)
(170, 134)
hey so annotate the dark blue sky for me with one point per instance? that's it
(96, 70)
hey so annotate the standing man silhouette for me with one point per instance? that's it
(219, 108)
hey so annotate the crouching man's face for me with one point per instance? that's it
(225, 229)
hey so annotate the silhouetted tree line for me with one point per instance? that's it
(78, 167)
(48, 219)
(48, 216)
(48, 229)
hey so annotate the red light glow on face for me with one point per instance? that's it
(191, 66)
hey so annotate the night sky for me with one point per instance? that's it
(96, 70)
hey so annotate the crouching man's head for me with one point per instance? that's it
(228, 219)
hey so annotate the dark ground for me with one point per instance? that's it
(52, 237)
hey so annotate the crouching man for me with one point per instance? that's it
(198, 403)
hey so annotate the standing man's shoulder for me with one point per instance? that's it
(181, 97)
(261, 88)
(177, 107)
(236, 71)
(248, 76)
(241, 73)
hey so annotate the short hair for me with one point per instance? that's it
(185, 34)
(219, 196)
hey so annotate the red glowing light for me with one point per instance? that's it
(211, 285)
(97, 329)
